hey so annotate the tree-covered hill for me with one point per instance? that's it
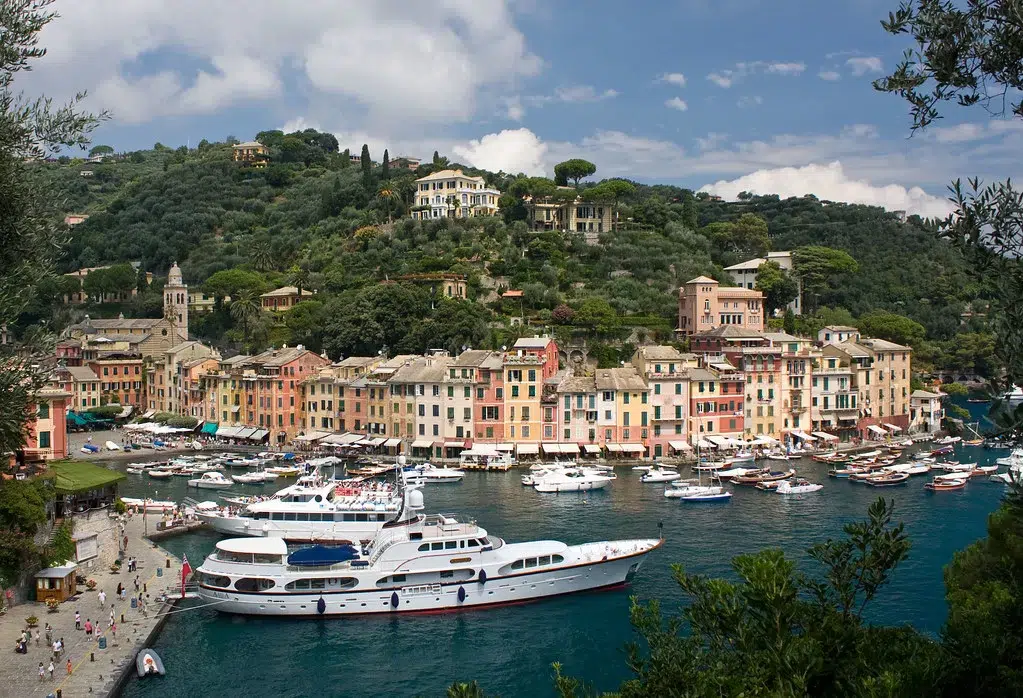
(313, 217)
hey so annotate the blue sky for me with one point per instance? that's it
(726, 94)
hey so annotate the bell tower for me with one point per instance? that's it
(175, 303)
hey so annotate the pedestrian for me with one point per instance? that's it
(111, 616)
(126, 542)
(49, 635)
(113, 629)
(56, 648)
(69, 666)
(124, 593)
(102, 598)
(136, 583)
(50, 669)
(42, 671)
(60, 646)
(78, 621)
(119, 587)
(88, 627)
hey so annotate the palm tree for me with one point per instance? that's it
(298, 276)
(454, 204)
(245, 308)
(262, 256)
(388, 196)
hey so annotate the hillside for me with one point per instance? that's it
(315, 219)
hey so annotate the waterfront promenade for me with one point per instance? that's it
(95, 671)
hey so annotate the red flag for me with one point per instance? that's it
(186, 570)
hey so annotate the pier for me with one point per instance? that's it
(100, 663)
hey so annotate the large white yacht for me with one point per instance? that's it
(415, 563)
(333, 511)
(571, 480)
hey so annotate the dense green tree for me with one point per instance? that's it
(574, 170)
(689, 215)
(304, 323)
(375, 318)
(778, 287)
(232, 282)
(966, 54)
(100, 150)
(893, 327)
(385, 167)
(32, 236)
(598, 315)
(366, 162)
(817, 267)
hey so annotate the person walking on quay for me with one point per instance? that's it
(50, 669)
(60, 647)
(42, 671)
(56, 648)
(136, 584)
(120, 587)
(102, 598)
(111, 616)
(69, 666)
(49, 634)
(78, 621)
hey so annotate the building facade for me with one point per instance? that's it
(703, 305)
(744, 274)
(453, 194)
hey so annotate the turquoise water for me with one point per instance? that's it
(509, 650)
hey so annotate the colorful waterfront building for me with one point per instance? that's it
(46, 428)
(716, 409)
(835, 406)
(625, 401)
(83, 384)
(487, 371)
(666, 372)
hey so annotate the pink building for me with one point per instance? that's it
(703, 305)
(487, 368)
(544, 347)
(716, 405)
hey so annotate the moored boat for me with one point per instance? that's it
(211, 480)
(659, 475)
(797, 486)
(414, 564)
(764, 477)
(887, 479)
(939, 484)
(571, 480)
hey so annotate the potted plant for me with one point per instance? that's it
(52, 605)
(32, 621)
(91, 585)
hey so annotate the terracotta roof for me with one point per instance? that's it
(925, 395)
(286, 291)
(882, 345)
(702, 280)
(626, 378)
(578, 384)
(532, 342)
(660, 352)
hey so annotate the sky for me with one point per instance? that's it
(768, 96)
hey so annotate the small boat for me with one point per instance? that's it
(111, 446)
(887, 479)
(974, 442)
(148, 663)
(430, 473)
(738, 472)
(847, 472)
(90, 448)
(709, 465)
(768, 486)
(797, 486)
(659, 475)
(781, 456)
(982, 470)
(919, 469)
(948, 440)
(250, 478)
(722, 495)
(642, 468)
(211, 481)
(764, 477)
(939, 484)
(285, 470)
(684, 488)
(160, 474)
(148, 504)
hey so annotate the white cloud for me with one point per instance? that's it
(786, 68)
(727, 78)
(832, 183)
(582, 93)
(711, 140)
(830, 75)
(677, 79)
(676, 103)
(346, 55)
(749, 101)
(514, 151)
(861, 65)
(514, 109)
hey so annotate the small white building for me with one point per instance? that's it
(745, 274)
(837, 334)
(925, 412)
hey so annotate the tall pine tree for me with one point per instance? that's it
(367, 163)
(385, 166)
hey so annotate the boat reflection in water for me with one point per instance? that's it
(415, 563)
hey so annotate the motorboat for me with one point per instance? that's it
(148, 504)
(431, 473)
(211, 481)
(659, 475)
(938, 484)
(780, 456)
(685, 488)
(338, 511)
(254, 478)
(913, 468)
(948, 440)
(642, 468)
(572, 480)
(764, 477)
(160, 474)
(111, 446)
(148, 663)
(982, 470)
(955, 467)
(285, 470)
(1014, 459)
(709, 465)
(848, 472)
(416, 563)
(797, 486)
(887, 479)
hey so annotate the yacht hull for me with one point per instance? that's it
(292, 531)
(432, 598)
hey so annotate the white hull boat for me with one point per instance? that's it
(429, 473)
(798, 487)
(111, 446)
(160, 474)
(409, 568)
(573, 480)
(211, 481)
(659, 475)
(721, 495)
(148, 504)
(682, 489)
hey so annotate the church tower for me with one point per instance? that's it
(175, 303)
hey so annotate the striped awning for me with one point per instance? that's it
(391, 443)
(422, 443)
(528, 449)
(592, 448)
(680, 446)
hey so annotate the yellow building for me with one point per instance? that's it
(577, 216)
(798, 357)
(453, 194)
(252, 153)
(523, 388)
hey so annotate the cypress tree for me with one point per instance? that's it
(385, 166)
(367, 163)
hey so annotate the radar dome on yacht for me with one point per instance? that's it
(401, 460)
(415, 499)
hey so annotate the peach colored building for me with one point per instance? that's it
(46, 430)
(704, 304)
(284, 298)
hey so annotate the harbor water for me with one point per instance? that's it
(510, 649)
